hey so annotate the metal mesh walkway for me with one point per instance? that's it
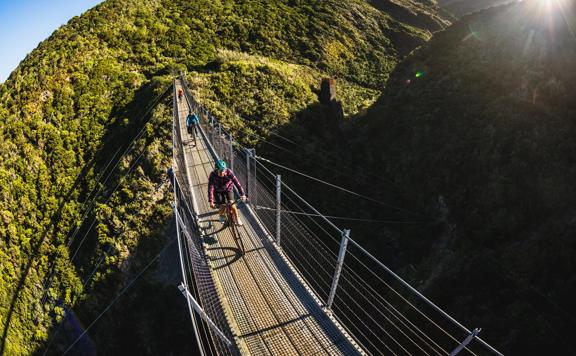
(268, 306)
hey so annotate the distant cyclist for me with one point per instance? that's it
(170, 173)
(180, 94)
(220, 190)
(192, 122)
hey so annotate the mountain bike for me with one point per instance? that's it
(231, 222)
(192, 131)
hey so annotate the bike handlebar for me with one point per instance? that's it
(232, 202)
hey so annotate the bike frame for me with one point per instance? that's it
(230, 221)
(194, 132)
(228, 209)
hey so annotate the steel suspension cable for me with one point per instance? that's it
(359, 307)
(327, 153)
(309, 231)
(367, 288)
(369, 315)
(338, 187)
(359, 330)
(347, 218)
(106, 201)
(321, 254)
(406, 300)
(438, 309)
(300, 225)
(307, 204)
(379, 311)
(401, 331)
(305, 226)
(342, 217)
(321, 265)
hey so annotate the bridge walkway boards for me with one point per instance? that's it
(267, 305)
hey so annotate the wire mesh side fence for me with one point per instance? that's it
(306, 239)
(202, 285)
(382, 311)
(200, 331)
(197, 275)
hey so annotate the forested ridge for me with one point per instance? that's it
(85, 140)
(460, 8)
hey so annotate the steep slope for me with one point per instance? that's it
(463, 7)
(76, 102)
(479, 124)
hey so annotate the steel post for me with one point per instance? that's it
(220, 149)
(248, 189)
(278, 206)
(466, 341)
(339, 264)
(203, 314)
(254, 178)
(231, 142)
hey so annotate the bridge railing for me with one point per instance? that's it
(382, 311)
(369, 300)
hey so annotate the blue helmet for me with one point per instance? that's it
(220, 165)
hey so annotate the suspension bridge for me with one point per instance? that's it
(289, 281)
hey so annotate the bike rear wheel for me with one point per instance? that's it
(234, 230)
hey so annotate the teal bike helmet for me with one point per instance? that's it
(220, 165)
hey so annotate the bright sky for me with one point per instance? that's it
(25, 23)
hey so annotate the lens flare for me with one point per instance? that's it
(556, 13)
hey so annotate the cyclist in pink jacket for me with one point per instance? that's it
(220, 190)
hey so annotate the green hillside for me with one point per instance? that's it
(76, 102)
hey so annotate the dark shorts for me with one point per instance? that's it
(222, 197)
(191, 129)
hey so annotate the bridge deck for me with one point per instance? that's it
(268, 307)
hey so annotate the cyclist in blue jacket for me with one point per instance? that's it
(192, 122)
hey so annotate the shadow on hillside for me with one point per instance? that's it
(113, 141)
(318, 142)
(36, 249)
(142, 304)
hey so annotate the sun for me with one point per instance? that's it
(556, 13)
